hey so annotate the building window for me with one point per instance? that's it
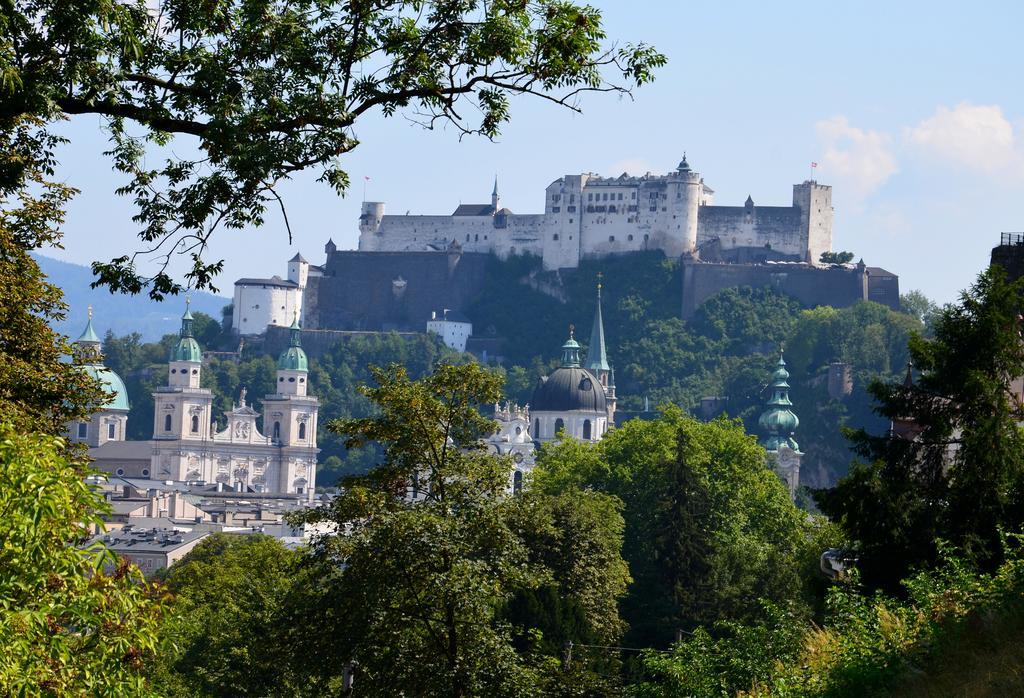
(119, 471)
(536, 428)
(556, 209)
(620, 196)
(145, 472)
(571, 209)
(195, 424)
(605, 197)
(555, 236)
(586, 429)
(559, 425)
(476, 238)
(519, 430)
(167, 422)
(415, 478)
(467, 237)
(302, 431)
(277, 431)
(111, 430)
(517, 482)
(590, 197)
(611, 238)
(630, 238)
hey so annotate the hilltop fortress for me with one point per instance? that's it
(408, 269)
(590, 216)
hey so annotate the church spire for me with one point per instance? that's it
(597, 355)
(495, 197)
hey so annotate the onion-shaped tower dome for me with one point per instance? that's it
(778, 420)
(187, 348)
(294, 358)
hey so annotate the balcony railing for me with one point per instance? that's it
(1011, 239)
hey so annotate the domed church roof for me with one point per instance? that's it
(87, 351)
(570, 386)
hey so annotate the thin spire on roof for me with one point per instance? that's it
(597, 355)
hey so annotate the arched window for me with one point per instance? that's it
(517, 482)
(167, 422)
(415, 484)
(559, 425)
(111, 430)
(195, 424)
(302, 430)
(536, 428)
(586, 429)
(277, 431)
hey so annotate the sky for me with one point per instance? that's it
(912, 110)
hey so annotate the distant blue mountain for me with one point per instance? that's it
(117, 312)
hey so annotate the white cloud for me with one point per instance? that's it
(978, 137)
(860, 160)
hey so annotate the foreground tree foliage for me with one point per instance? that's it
(261, 90)
(73, 621)
(420, 590)
(709, 528)
(954, 469)
(39, 391)
(228, 635)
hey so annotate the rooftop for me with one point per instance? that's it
(131, 539)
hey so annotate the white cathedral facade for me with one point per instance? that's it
(187, 446)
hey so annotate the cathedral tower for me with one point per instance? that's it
(182, 412)
(290, 418)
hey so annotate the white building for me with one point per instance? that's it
(453, 328)
(586, 215)
(187, 447)
(513, 439)
(274, 301)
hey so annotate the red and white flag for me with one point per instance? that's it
(366, 178)
(814, 164)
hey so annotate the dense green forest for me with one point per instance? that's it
(727, 349)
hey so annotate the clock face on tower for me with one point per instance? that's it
(518, 457)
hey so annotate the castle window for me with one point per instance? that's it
(485, 237)
(536, 428)
(630, 238)
(586, 429)
(555, 198)
(559, 425)
(556, 209)
(120, 471)
(519, 430)
(654, 208)
(277, 431)
(611, 238)
(111, 430)
(302, 380)
(302, 431)
(83, 430)
(570, 220)
(145, 472)
(167, 422)
(633, 195)
(174, 370)
(517, 482)
(415, 481)
(291, 379)
(195, 424)
(257, 306)
(195, 371)
(620, 196)
(571, 209)
(572, 199)
(476, 238)
(467, 237)
(590, 197)
(281, 379)
(646, 237)
(555, 236)
(605, 197)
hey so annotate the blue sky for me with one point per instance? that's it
(912, 110)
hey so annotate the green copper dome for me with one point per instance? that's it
(778, 421)
(294, 358)
(112, 385)
(187, 348)
(87, 352)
